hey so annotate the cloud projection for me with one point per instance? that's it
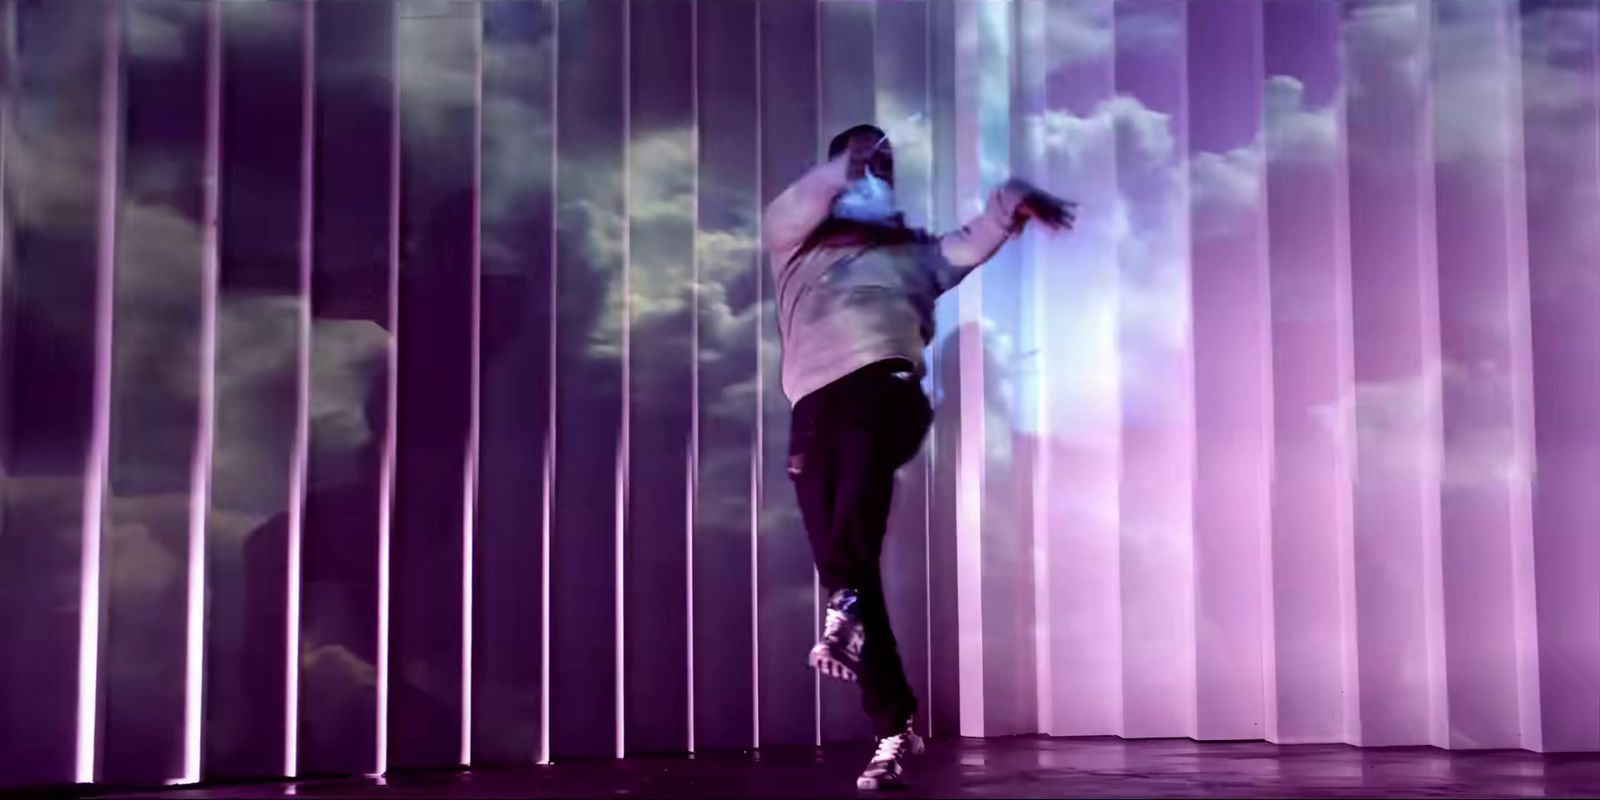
(394, 384)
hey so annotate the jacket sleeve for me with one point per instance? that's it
(974, 243)
(794, 214)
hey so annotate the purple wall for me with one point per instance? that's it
(395, 384)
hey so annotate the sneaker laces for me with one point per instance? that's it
(833, 623)
(840, 629)
(891, 748)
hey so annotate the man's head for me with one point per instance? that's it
(870, 195)
(871, 147)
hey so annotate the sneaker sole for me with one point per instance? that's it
(873, 784)
(823, 662)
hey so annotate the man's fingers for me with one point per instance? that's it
(1056, 216)
(1053, 211)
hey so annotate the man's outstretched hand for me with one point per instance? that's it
(1035, 203)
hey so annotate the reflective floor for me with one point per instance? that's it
(1019, 767)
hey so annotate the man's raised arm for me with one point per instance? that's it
(794, 214)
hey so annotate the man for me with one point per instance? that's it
(856, 290)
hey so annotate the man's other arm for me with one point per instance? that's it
(970, 246)
(1010, 207)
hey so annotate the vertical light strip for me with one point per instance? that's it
(970, 454)
(1593, 78)
(94, 489)
(757, 482)
(816, 578)
(1039, 480)
(549, 465)
(1119, 707)
(693, 482)
(469, 503)
(969, 517)
(8, 113)
(816, 677)
(1190, 670)
(302, 412)
(200, 465)
(391, 402)
(1269, 442)
(1520, 307)
(1349, 637)
(624, 443)
(1432, 545)
(933, 357)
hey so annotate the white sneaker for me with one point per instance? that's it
(838, 653)
(887, 770)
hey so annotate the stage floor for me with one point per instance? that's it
(1013, 767)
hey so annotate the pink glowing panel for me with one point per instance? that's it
(591, 155)
(846, 96)
(434, 425)
(158, 467)
(1485, 523)
(903, 101)
(1154, 339)
(787, 619)
(965, 356)
(1027, 382)
(346, 478)
(205, 434)
(944, 639)
(1233, 374)
(510, 530)
(662, 178)
(1005, 386)
(1561, 98)
(1395, 319)
(90, 599)
(1078, 436)
(470, 468)
(1312, 606)
(726, 213)
(300, 452)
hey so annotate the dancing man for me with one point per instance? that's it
(856, 290)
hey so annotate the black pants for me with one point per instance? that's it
(847, 440)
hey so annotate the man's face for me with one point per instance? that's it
(874, 152)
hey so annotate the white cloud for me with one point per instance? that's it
(437, 64)
(1075, 32)
(1480, 450)
(1142, 135)
(1141, 220)
(1383, 44)
(1477, 112)
(1559, 95)
(1461, 55)
(345, 364)
(1395, 424)
(1152, 29)
(1295, 133)
(158, 32)
(1225, 189)
(511, 123)
(1398, 431)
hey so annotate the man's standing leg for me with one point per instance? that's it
(864, 493)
